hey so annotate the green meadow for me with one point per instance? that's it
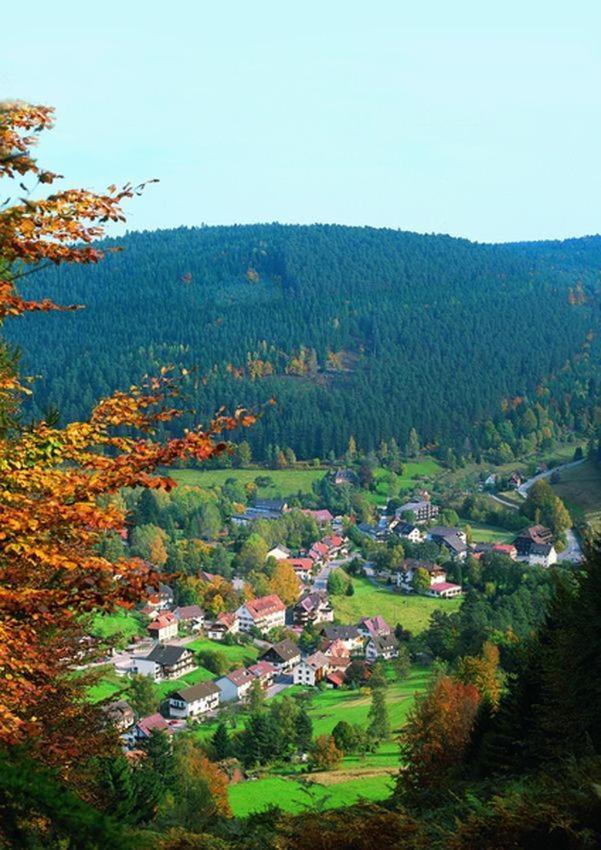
(285, 482)
(413, 612)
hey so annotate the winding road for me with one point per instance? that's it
(572, 552)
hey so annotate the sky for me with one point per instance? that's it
(481, 120)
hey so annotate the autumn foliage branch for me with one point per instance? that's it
(56, 483)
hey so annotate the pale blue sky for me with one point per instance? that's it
(476, 119)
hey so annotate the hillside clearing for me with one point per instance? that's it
(286, 482)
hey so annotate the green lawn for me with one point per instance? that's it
(294, 795)
(108, 685)
(238, 656)
(580, 489)
(413, 612)
(286, 482)
(119, 623)
(490, 533)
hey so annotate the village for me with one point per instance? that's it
(278, 632)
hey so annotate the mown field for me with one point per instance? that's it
(295, 795)
(285, 482)
(413, 612)
(483, 533)
(580, 489)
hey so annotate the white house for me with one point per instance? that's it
(165, 661)
(411, 532)
(382, 647)
(303, 567)
(235, 686)
(444, 589)
(542, 555)
(284, 655)
(264, 613)
(195, 700)
(279, 552)
(191, 615)
(226, 623)
(164, 627)
(312, 670)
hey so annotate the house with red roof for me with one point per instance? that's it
(319, 553)
(264, 613)
(226, 623)
(444, 590)
(147, 725)
(321, 517)
(235, 685)
(164, 627)
(265, 672)
(374, 626)
(303, 567)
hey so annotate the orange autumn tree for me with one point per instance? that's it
(53, 480)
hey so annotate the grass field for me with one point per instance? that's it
(286, 482)
(295, 795)
(490, 534)
(120, 623)
(371, 777)
(580, 489)
(238, 656)
(413, 612)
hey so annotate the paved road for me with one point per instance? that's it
(523, 488)
(572, 552)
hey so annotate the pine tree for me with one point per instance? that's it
(221, 741)
(304, 729)
(379, 722)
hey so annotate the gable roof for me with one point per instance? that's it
(240, 677)
(313, 600)
(201, 690)
(284, 649)
(322, 516)
(152, 723)
(317, 660)
(189, 612)
(341, 632)
(262, 668)
(441, 586)
(167, 654)
(162, 621)
(375, 624)
(383, 642)
(264, 605)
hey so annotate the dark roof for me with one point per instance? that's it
(382, 642)
(341, 632)
(269, 504)
(540, 548)
(167, 654)
(198, 691)
(285, 649)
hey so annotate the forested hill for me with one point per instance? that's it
(353, 330)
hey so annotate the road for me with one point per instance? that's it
(523, 488)
(572, 552)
